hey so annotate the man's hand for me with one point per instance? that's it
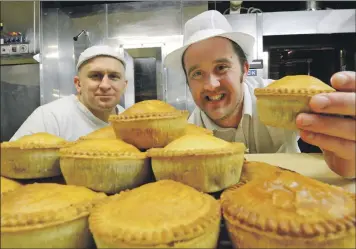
(335, 135)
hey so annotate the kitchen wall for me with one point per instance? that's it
(131, 25)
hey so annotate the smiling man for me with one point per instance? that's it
(100, 83)
(214, 59)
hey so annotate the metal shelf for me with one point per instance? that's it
(6, 60)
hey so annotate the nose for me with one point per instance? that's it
(105, 83)
(212, 84)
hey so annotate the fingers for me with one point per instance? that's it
(334, 103)
(344, 81)
(333, 126)
(343, 148)
(342, 167)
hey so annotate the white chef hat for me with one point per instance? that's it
(100, 50)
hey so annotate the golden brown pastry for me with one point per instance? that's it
(8, 185)
(252, 170)
(204, 162)
(106, 165)
(46, 215)
(31, 156)
(150, 123)
(163, 214)
(288, 210)
(279, 103)
(105, 132)
(194, 129)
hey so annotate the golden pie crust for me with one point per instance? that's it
(204, 162)
(194, 129)
(8, 185)
(288, 210)
(279, 103)
(46, 215)
(106, 165)
(165, 214)
(32, 156)
(105, 132)
(149, 124)
(252, 170)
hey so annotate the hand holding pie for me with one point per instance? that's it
(335, 135)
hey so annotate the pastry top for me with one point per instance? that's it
(41, 140)
(155, 213)
(102, 148)
(8, 185)
(194, 129)
(193, 144)
(44, 204)
(105, 132)
(252, 170)
(290, 204)
(149, 110)
(298, 85)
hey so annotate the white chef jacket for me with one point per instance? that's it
(257, 137)
(66, 117)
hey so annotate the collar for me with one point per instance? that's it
(247, 111)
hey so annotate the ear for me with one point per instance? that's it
(125, 85)
(246, 68)
(77, 84)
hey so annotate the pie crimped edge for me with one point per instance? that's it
(241, 217)
(37, 220)
(33, 144)
(234, 148)
(151, 238)
(76, 152)
(148, 116)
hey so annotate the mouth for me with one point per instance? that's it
(216, 97)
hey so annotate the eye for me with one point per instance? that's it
(114, 77)
(222, 68)
(196, 75)
(95, 76)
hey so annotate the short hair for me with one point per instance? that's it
(237, 49)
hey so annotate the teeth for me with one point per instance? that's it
(216, 97)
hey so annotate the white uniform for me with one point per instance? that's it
(66, 117)
(257, 137)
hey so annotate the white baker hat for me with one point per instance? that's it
(98, 50)
(208, 24)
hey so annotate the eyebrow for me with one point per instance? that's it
(98, 70)
(221, 60)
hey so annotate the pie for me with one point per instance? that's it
(47, 215)
(150, 123)
(8, 185)
(204, 162)
(165, 214)
(194, 129)
(32, 156)
(106, 165)
(105, 132)
(252, 170)
(279, 103)
(288, 210)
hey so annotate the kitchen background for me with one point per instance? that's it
(316, 38)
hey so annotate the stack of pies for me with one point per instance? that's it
(279, 103)
(204, 162)
(31, 156)
(288, 210)
(164, 214)
(106, 165)
(46, 215)
(150, 124)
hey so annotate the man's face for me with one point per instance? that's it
(100, 83)
(215, 77)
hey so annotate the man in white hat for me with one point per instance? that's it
(215, 59)
(100, 83)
